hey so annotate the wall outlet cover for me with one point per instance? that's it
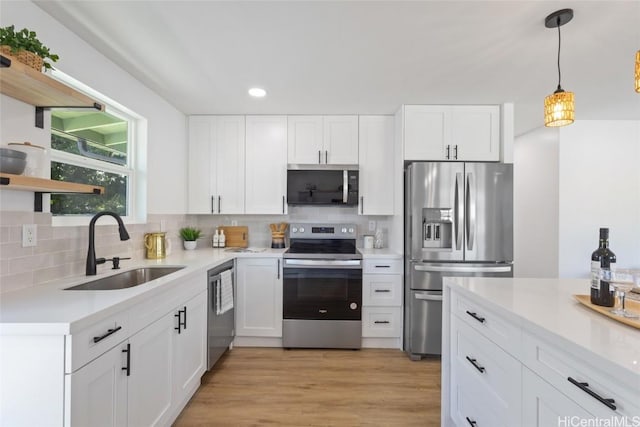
(29, 235)
(372, 226)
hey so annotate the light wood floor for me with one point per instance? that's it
(269, 386)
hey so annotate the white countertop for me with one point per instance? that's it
(547, 307)
(50, 310)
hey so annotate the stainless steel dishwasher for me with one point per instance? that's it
(221, 321)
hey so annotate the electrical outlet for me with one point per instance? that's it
(29, 234)
(372, 226)
(234, 222)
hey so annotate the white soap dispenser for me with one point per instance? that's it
(216, 239)
(222, 240)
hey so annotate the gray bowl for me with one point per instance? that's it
(8, 152)
(12, 165)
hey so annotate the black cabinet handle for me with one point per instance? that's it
(212, 211)
(455, 152)
(471, 423)
(383, 290)
(219, 209)
(384, 322)
(383, 266)
(128, 367)
(362, 204)
(319, 158)
(184, 323)
(448, 147)
(475, 316)
(326, 157)
(109, 332)
(282, 204)
(179, 316)
(278, 270)
(475, 364)
(609, 403)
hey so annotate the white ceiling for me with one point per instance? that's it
(360, 57)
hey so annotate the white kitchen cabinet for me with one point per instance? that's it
(323, 140)
(97, 393)
(266, 165)
(382, 302)
(450, 133)
(259, 297)
(216, 165)
(190, 348)
(150, 387)
(376, 165)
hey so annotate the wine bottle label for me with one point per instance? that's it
(595, 274)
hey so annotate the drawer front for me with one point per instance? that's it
(382, 266)
(589, 383)
(96, 339)
(483, 365)
(469, 408)
(488, 323)
(381, 322)
(381, 290)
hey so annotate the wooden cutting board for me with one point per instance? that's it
(236, 236)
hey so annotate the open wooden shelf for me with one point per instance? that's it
(21, 82)
(43, 185)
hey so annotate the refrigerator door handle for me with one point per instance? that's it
(458, 211)
(471, 210)
(463, 269)
(427, 297)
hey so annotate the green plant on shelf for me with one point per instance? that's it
(26, 40)
(190, 234)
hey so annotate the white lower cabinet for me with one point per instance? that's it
(381, 303)
(97, 393)
(259, 296)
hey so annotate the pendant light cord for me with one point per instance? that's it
(559, 41)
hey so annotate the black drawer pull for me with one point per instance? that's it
(471, 423)
(128, 367)
(383, 290)
(475, 316)
(184, 323)
(384, 322)
(179, 316)
(475, 364)
(383, 266)
(109, 332)
(609, 403)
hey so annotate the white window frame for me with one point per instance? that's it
(135, 169)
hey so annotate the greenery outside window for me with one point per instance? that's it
(100, 148)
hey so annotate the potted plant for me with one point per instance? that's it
(26, 48)
(190, 235)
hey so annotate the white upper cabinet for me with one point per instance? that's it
(323, 140)
(376, 165)
(266, 165)
(216, 164)
(464, 133)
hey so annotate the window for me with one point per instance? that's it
(102, 148)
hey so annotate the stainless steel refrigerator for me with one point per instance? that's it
(458, 222)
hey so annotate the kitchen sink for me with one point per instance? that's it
(126, 279)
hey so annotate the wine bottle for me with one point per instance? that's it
(601, 292)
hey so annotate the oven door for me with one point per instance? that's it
(322, 289)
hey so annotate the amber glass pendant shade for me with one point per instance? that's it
(638, 71)
(559, 109)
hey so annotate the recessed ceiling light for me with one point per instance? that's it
(257, 92)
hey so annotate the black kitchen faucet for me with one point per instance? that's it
(91, 253)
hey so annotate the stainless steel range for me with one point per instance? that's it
(322, 287)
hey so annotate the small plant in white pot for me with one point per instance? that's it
(190, 235)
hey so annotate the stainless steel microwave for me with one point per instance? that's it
(325, 187)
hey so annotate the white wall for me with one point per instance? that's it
(569, 182)
(167, 136)
(535, 204)
(599, 187)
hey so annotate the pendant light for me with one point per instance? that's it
(559, 106)
(638, 71)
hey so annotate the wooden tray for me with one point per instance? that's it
(630, 305)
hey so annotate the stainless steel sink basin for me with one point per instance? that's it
(126, 279)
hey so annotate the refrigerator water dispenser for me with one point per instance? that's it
(437, 228)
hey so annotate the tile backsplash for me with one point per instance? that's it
(61, 252)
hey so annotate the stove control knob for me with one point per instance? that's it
(294, 230)
(344, 230)
(353, 306)
(351, 230)
(302, 229)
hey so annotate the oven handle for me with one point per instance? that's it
(323, 263)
